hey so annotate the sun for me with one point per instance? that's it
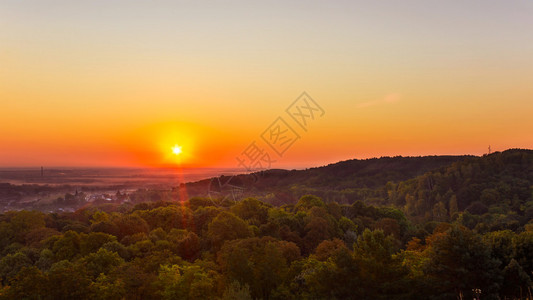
(176, 150)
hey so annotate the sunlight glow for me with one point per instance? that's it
(176, 149)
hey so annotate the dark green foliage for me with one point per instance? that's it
(460, 261)
(416, 228)
(251, 210)
(310, 251)
(515, 280)
(225, 227)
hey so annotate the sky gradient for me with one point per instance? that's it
(118, 83)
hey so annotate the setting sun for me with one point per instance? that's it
(259, 149)
(176, 150)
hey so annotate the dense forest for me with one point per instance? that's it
(392, 228)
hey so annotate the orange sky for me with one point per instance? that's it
(119, 84)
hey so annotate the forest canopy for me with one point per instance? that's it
(442, 234)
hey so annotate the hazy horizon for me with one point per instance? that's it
(171, 167)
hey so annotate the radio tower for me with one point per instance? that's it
(490, 151)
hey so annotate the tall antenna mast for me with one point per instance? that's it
(490, 150)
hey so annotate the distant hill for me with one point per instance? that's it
(286, 186)
(499, 186)
(430, 187)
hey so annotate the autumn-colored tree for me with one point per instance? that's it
(329, 248)
(189, 247)
(389, 226)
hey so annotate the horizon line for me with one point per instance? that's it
(284, 167)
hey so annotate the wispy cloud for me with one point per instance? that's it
(390, 98)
